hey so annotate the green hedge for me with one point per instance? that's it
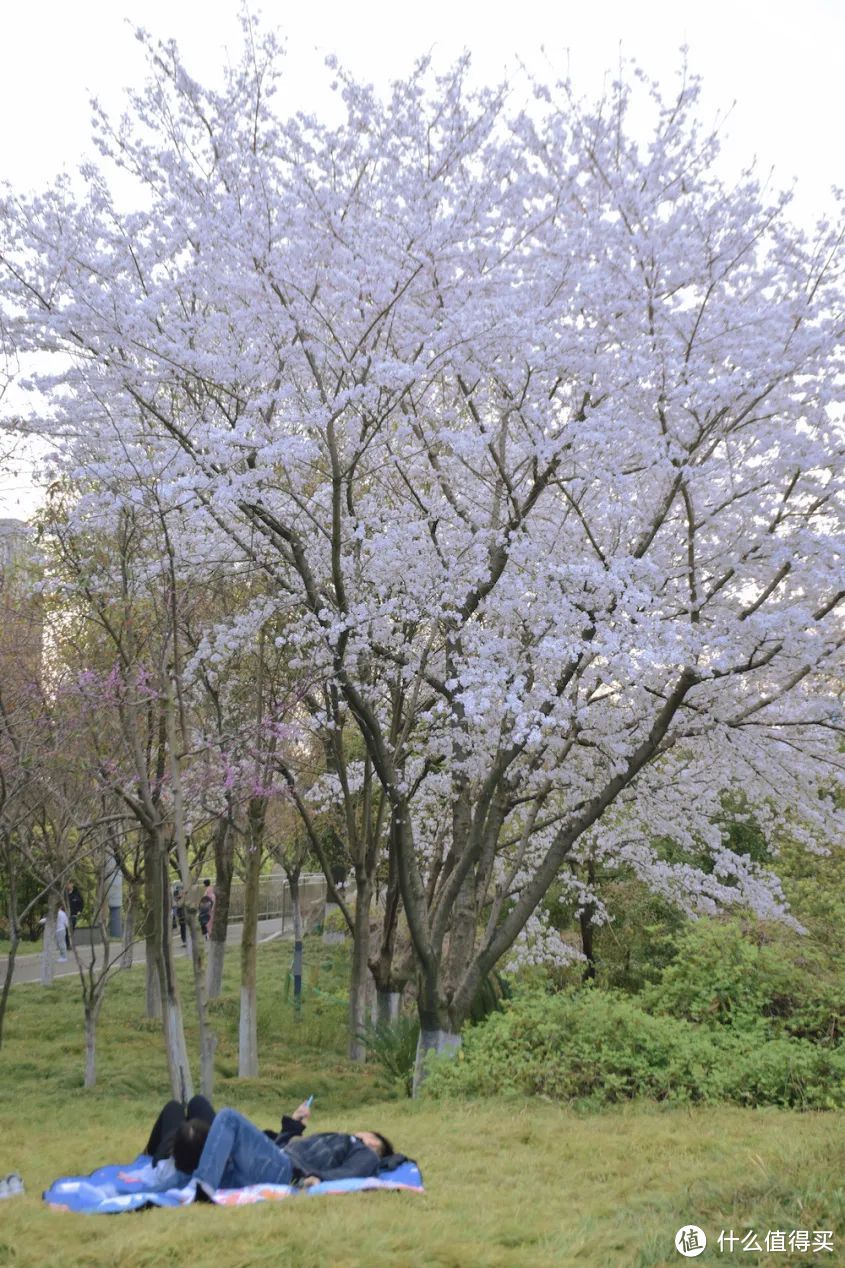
(751, 978)
(600, 1046)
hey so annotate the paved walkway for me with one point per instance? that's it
(28, 965)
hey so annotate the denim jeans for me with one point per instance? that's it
(238, 1153)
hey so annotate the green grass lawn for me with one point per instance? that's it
(509, 1183)
(25, 947)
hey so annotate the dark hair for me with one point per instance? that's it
(206, 882)
(386, 1147)
(188, 1144)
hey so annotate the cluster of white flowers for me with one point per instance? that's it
(539, 944)
(533, 436)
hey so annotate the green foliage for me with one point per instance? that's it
(719, 976)
(640, 940)
(781, 1072)
(491, 995)
(815, 887)
(335, 922)
(602, 1047)
(742, 832)
(751, 977)
(393, 1046)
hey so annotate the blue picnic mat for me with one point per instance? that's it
(135, 1185)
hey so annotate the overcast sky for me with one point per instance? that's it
(781, 63)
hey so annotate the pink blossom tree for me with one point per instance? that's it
(533, 425)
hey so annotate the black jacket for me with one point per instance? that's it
(331, 1156)
(328, 1155)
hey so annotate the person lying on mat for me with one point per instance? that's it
(174, 1114)
(226, 1150)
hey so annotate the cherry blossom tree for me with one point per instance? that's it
(533, 423)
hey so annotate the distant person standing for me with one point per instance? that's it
(62, 937)
(179, 912)
(206, 908)
(75, 904)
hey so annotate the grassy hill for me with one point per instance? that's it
(509, 1183)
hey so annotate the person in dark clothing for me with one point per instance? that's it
(240, 1153)
(75, 904)
(237, 1153)
(337, 1155)
(173, 1115)
(205, 909)
(179, 913)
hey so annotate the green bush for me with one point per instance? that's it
(721, 977)
(393, 1046)
(335, 923)
(640, 939)
(750, 977)
(789, 1072)
(602, 1047)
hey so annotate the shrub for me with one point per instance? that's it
(750, 977)
(602, 1047)
(641, 937)
(789, 1072)
(393, 1046)
(720, 977)
(334, 925)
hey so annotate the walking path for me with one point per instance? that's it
(28, 966)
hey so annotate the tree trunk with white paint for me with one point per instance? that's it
(387, 1007)
(432, 1041)
(153, 931)
(48, 951)
(92, 1014)
(296, 910)
(248, 1024)
(158, 897)
(360, 967)
(181, 1079)
(223, 870)
(127, 954)
(176, 742)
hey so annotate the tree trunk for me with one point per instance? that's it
(438, 1031)
(208, 1047)
(7, 981)
(248, 1026)
(128, 941)
(388, 1004)
(181, 1080)
(153, 931)
(152, 997)
(223, 865)
(390, 970)
(48, 951)
(92, 1013)
(129, 924)
(296, 909)
(434, 1039)
(585, 919)
(14, 939)
(207, 1037)
(216, 959)
(360, 967)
